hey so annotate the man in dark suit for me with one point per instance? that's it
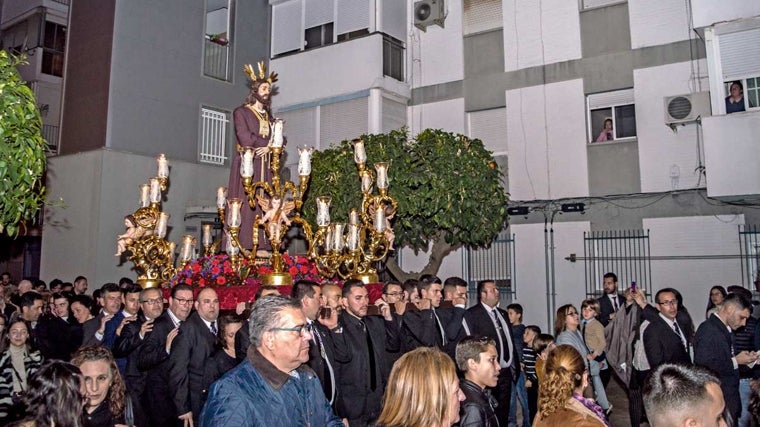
(362, 380)
(128, 343)
(153, 357)
(189, 353)
(665, 340)
(713, 348)
(328, 343)
(58, 334)
(130, 298)
(611, 300)
(455, 292)
(487, 319)
(95, 328)
(423, 328)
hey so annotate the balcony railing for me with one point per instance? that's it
(64, 2)
(216, 60)
(50, 135)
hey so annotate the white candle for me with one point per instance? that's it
(360, 155)
(323, 211)
(172, 247)
(353, 237)
(144, 195)
(353, 217)
(379, 222)
(155, 190)
(338, 243)
(233, 216)
(207, 238)
(163, 221)
(382, 175)
(366, 181)
(187, 247)
(163, 166)
(221, 197)
(277, 133)
(329, 239)
(231, 248)
(246, 165)
(304, 160)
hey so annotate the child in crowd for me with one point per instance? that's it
(529, 364)
(515, 313)
(593, 334)
(542, 345)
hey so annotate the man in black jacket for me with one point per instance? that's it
(189, 353)
(153, 357)
(362, 380)
(611, 300)
(476, 357)
(59, 334)
(665, 340)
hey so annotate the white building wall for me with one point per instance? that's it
(666, 159)
(436, 56)
(447, 115)
(538, 33)
(695, 235)
(734, 171)
(655, 22)
(708, 12)
(546, 140)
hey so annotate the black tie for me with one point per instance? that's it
(678, 332)
(321, 348)
(615, 303)
(213, 328)
(371, 350)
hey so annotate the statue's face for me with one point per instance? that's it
(276, 203)
(264, 90)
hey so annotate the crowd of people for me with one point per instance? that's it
(326, 356)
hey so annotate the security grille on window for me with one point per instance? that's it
(611, 116)
(213, 138)
(393, 58)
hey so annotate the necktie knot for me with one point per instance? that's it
(213, 328)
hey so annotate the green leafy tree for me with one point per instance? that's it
(22, 150)
(448, 187)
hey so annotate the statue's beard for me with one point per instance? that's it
(261, 99)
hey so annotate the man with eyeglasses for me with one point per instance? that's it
(273, 386)
(665, 340)
(153, 357)
(129, 341)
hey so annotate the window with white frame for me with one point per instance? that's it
(213, 136)
(741, 69)
(611, 116)
(216, 47)
(590, 4)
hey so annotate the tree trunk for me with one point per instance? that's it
(438, 251)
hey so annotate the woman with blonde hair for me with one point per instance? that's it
(423, 391)
(560, 394)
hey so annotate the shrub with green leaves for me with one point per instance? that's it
(22, 150)
(448, 188)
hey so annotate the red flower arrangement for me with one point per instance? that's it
(214, 270)
(299, 267)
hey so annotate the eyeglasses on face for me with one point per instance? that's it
(157, 300)
(184, 301)
(301, 329)
(672, 302)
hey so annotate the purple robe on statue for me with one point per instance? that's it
(248, 134)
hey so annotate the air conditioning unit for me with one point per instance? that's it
(429, 12)
(682, 109)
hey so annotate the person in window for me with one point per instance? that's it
(606, 134)
(735, 100)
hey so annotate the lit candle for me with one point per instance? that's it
(382, 175)
(246, 166)
(163, 166)
(304, 160)
(187, 247)
(144, 195)
(155, 190)
(231, 248)
(329, 238)
(338, 236)
(379, 222)
(172, 247)
(353, 237)
(233, 216)
(277, 133)
(207, 238)
(366, 181)
(360, 155)
(323, 211)
(353, 217)
(221, 197)
(163, 221)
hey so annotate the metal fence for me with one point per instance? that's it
(497, 263)
(216, 60)
(749, 252)
(623, 252)
(213, 143)
(50, 135)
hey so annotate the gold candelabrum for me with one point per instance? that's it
(145, 239)
(276, 199)
(349, 249)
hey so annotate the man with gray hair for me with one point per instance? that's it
(274, 372)
(679, 395)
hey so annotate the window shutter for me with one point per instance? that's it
(482, 15)
(740, 54)
(319, 12)
(352, 15)
(343, 120)
(300, 127)
(490, 126)
(609, 99)
(287, 34)
(394, 115)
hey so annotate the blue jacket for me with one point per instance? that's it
(256, 393)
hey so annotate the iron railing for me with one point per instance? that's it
(50, 135)
(749, 252)
(497, 263)
(216, 60)
(623, 252)
(213, 138)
